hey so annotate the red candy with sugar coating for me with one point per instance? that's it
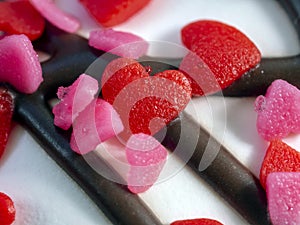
(118, 74)
(113, 12)
(20, 65)
(279, 158)
(160, 99)
(283, 194)
(56, 16)
(278, 112)
(20, 17)
(145, 103)
(225, 50)
(97, 123)
(146, 157)
(200, 221)
(6, 112)
(120, 43)
(73, 100)
(7, 210)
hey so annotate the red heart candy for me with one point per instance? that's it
(20, 17)
(226, 51)
(7, 210)
(279, 158)
(6, 111)
(145, 104)
(113, 12)
(202, 221)
(118, 74)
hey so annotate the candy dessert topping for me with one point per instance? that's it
(73, 100)
(117, 74)
(97, 123)
(20, 17)
(20, 65)
(113, 12)
(160, 100)
(283, 191)
(182, 88)
(56, 16)
(146, 157)
(225, 50)
(145, 103)
(279, 158)
(120, 43)
(6, 111)
(278, 112)
(202, 221)
(7, 210)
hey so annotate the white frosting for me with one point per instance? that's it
(44, 194)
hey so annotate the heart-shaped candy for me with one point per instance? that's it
(278, 112)
(283, 193)
(20, 65)
(113, 12)
(145, 103)
(20, 17)
(280, 157)
(226, 51)
(146, 157)
(6, 112)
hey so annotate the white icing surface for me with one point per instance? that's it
(44, 194)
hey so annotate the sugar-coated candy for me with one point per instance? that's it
(113, 12)
(7, 210)
(6, 112)
(97, 123)
(20, 65)
(120, 43)
(145, 103)
(74, 99)
(26, 19)
(200, 221)
(279, 157)
(56, 16)
(283, 193)
(224, 49)
(278, 112)
(146, 157)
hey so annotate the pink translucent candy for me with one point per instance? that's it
(278, 113)
(74, 99)
(119, 43)
(97, 123)
(283, 193)
(20, 65)
(54, 15)
(146, 157)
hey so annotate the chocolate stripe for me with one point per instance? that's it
(226, 175)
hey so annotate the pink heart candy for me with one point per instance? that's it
(278, 112)
(146, 157)
(120, 43)
(283, 193)
(97, 123)
(20, 65)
